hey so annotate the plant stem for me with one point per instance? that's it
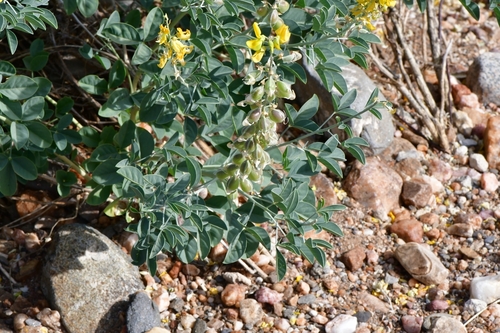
(74, 166)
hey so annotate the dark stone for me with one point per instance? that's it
(363, 316)
(199, 326)
(142, 314)
(176, 304)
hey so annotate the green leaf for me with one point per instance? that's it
(6, 68)
(93, 84)
(126, 134)
(117, 74)
(11, 109)
(86, 51)
(190, 131)
(18, 87)
(146, 142)
(187, 251)
(348, 99)
(12, 41)
(332, 165)
(48, 17)
(297, 70)
(261, 235)
(24, 168)
(122, 33)
(33, 108)
(331, 228)
(39, 135)
(70, 6)
(65, 180)
(87, 7)
(237, 58)
(202, 45)
(308, 110)
(64, 105)
(152, 24)
(472, 8)
(133, 174)
(3, 161)
(236, 249)
(194, 171)
(280, 265)
(99, 195)
(8, 185)
(19, 133)
(141, 55)
(106, 173)
(357, 153)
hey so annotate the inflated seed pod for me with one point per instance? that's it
(221, 174)
(275, 20)
(277, 116)
(254, 116)
(282, 6)
(257, 94)
(246, 168)
(240, 145)
(246, 185)
(232, 184)
(250, 145)
(262, 11)
(284, 90)
(231, 169)
(238, 158)
(254, 175)
(263, 124)
(257, 154)
(270, 89)
(248, 131)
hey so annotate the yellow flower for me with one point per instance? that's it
(180, 50)
(183, 35)
(283, 33)
(163, 60)
(163, 35)
(256, 44)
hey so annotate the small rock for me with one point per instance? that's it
(177, 304)
(158, 330)
(461, 230)
(412, 324)
(489, 182)
(437, 304)
(409, 230)
(468, 252)
(199, 326)
(421, 263)
(266, 295)
(324, 189)
(475, 305)
(478, 162)
(486, 288)
(416, 192)
(375, 186)
(443, 323)
(236, 278)
(19, 321)
(303, 288)
(142, 313)
(250, 311)
(306, 299)
(492, 142)
(331, 285)
(233, 294)
(218, 253)
(354, 258)
(190, 270)
(31, 242)
(282, 324)
(162, 300)
(373, 303)
(187, 321)
(342, 324)
(238, 325)
(363, 316)
(441, 170)
(231, 314)
(320, 319)
(50, 318)
(372, 257)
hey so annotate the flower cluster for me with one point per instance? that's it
(369, 10)
(249, 156)
(173, 47)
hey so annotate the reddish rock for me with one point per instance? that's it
(375, 186)
(460, 229)
(266, 295)
(409, 230)
(174, 271)
(190, 270)
(441, 170)
(412, 324)
(324, 189)
(489, 182)
(430, 219)
(475, 220)
(416, 192)
(218, 253)
(433, 234)
(353, 259)
(398, 145)
(437, 305)
(408, 168)
(492, 142)
(233, 294)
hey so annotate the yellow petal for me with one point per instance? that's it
(177, 45)
(183, 35)
(256, 29)
(254, 44)
(276, 42)
(163, 60)
(257, 56)
(283, 33)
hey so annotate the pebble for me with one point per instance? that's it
(233, 294)
(363, 316)
(416, 192)
(373, 303)
(421, 263)
(486, 288)
(478, 162)
(142, 313)
(250, 311)
(489, 182)
(177, 304)
(282, 324)
(342, 324)
(190, 270)
(354, 258)
(266, 295)
(492, 142)
(412, 324)
(306, 299)
(474, 305)
(320, 319)
(409, 230)
(187, 321)
(303, 288)
(461, 230)
(443, 323)
(437, 305)
(236, 278)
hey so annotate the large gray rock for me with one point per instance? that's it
(378, 133)
(483, 77)
(485, 288)
(88, 279)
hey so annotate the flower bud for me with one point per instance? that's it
(231, 169)
(221, 175)
(292, 57)
(232, 184)
(263, 124)
(240, 145)
(284, 90)
(246, 168)
(282, 6)
(252, 77)
(246, 185)
(254, 116)
(275, 20)
(277, 116)
(254, 175)
(248, 131)
(250, 145)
